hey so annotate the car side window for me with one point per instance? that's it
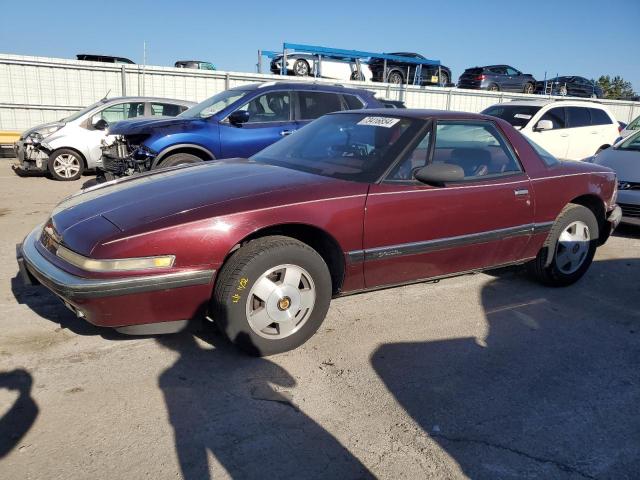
(634, 125)
(556, 116)
(511, 71)
(122, 111)
(477, 147)
(166, 109)
(578, 117)
(316, 104)
(498, 70)
(353, 102)
(599, 117)
(269, 107)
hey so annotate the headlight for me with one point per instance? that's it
(116, 265)
(45, 132)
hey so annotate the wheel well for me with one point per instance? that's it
(596, 205)
(84, 160)
(191, 150)
(318, 239)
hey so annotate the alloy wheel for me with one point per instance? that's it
(66, 165)
(280, 301)
(573, 247)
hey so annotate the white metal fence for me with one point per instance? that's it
(35, 90)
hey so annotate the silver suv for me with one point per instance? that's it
(68, 147)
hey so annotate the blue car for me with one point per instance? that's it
(235, 123)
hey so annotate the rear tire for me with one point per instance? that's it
(494, 87)
(301, 68)
(272, 295)
(179, 159)
(572, 241)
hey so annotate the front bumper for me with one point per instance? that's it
(31, 156)
(123, 301)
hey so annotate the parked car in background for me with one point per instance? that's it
(235, 123)
(355, 201)
(497, 78)
(570, 86)
(393, 103)
(103, 58)
(71, 145)
(624, 159)
(397, 71)
(196, 64)
(571, 130)
(631, 128)
(337, 68)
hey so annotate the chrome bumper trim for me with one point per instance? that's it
(71, 286)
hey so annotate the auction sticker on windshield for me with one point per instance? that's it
(385, 122)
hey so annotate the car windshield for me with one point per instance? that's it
(215, 104)
(632, 143)
(354, 146)
(516, 115)
(78, 114)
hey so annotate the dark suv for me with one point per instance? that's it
(497, 78)
(397, 71)
(234, 123)
(570, 86)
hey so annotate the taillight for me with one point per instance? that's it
(481, 77)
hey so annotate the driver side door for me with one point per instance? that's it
(270, 119)
(415, 231)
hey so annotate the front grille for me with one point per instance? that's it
(629, 210)
(622, 185)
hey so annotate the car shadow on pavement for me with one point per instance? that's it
(627, 231)
(552, 391)
(243, 410)
(50, 307)
(17, 421)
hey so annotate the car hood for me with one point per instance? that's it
(626, 163)
(136, 126)
(182, 194)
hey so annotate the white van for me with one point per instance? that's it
(569, 130)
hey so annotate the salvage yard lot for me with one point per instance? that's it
(480, 376)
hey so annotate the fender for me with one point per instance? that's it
(167, 151)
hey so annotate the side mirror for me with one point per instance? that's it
(239, 117)
(440, 173)
(99, 123)
(544, 125)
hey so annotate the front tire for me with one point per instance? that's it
(272, 295)
(395, 77)
(572, 241)
(179, 159)
(528, 88)
(65, 164)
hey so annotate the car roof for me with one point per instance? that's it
(148, 99)
(300, 86)
(419, 113)
(559, 102)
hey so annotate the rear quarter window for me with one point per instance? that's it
(353, 102)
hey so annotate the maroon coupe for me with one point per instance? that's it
(355, 201)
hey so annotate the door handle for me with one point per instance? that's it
(521, 192)
(284, 133)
